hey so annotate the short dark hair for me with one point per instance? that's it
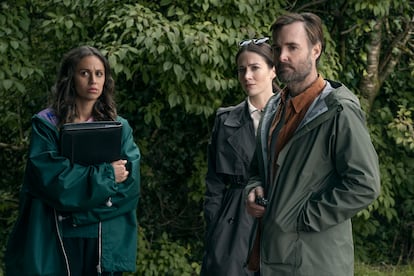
(312, 24)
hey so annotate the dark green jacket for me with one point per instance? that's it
(327, 173)
(52, 186)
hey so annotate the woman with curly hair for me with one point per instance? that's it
(76, 219)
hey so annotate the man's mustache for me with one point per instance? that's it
(283, 66)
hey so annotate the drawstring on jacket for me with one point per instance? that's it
(99, 266)
(57, 220)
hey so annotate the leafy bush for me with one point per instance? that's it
(173, 64)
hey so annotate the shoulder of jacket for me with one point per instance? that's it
(227, 109)
(125, 124)
(343, 93)
(41, 122)
(120, 119)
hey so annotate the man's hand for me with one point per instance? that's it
(252, 208)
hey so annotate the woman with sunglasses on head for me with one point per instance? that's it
(230, 151)
(77, 219)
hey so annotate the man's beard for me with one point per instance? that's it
(293, 75)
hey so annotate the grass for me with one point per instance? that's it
(368, 270)
(383, 270)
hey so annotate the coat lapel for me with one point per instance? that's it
(242, 141)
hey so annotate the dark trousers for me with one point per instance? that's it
(83, 257)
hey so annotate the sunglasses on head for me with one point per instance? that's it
(257, 41)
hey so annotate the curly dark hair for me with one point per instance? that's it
(63, 91)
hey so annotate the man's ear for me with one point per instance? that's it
(317, 50)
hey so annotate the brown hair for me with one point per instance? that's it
(311, 22)
(64, 93)
(262, 49)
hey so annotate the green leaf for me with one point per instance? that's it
(14, 44)
(3, 47)
(69, 24)
(112, 60)
(161, 49)
(7, 84)
(20, 87)
(178, 70)
(167, 65)
(203, 58)
(129, 22)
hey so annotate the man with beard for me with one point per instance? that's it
(314, 162)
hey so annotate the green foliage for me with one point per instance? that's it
(401, 128)
(173, 63)
(189, 54)
(390, 128)
(164, 257)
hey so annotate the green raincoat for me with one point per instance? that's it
(327, 173)
(52, 186)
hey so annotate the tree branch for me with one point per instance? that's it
(394, 52)
(20, 147)
(369, 85)
(310, 4)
